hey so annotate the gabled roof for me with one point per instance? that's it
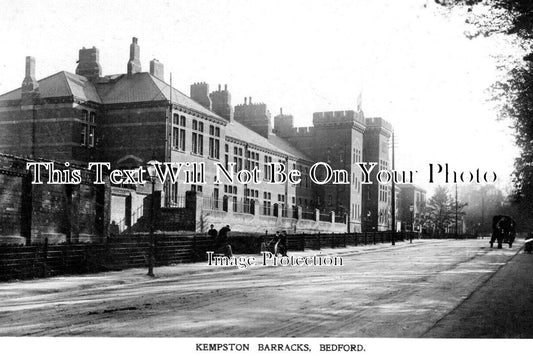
(59, 85)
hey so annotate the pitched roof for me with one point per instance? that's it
(273, 143)
(144, 87)
(138, 87)
(182, 99)
(61, 84)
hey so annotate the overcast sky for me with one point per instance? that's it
(413, 65)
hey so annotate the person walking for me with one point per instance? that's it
(276, 242)
(283, 244)
(223, 240)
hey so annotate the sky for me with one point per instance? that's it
(410, 61)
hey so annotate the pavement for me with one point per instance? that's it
(502, 307)
(430, 289)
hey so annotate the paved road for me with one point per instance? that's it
(381, 291)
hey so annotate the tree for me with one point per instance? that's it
(514, 19)
(442, 208)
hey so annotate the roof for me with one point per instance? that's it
(59, 85)
(144, 87)
(274, 143)
(182, 99)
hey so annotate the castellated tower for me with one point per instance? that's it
(221, 103)
(254, 116)
(283, 124)
(200, 94)
(376, 197)
(335, 138)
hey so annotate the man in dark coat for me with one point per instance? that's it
(283, 244)
(222, 241)
(212, 233)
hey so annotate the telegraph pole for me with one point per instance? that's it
(393, 207)
(456, 214)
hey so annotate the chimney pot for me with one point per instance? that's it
(250, 100)
(244, 100)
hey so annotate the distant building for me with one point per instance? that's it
(412, 205)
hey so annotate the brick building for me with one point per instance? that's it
(128, 119)
(412, 205)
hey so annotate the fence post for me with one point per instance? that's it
(318, 239)
(364, 238)
(303, 241)
(194, 254)
(374, 238)
(45, 257)
(344, 239)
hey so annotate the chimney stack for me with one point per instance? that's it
(221, 104)
(89, 63)
(134, 64)
(157, 69)
(200, 94)
(30, 86)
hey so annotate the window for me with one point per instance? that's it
(267, 204)
(215, 198)
(88, 128)
(174, 193)
(267, 173)
(214, 142)
(237, 159)
(197, 137)
(252, 160)
(178, 132)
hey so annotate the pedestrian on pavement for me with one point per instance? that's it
(283, 243)
(276, 242)
(223, 241)
(212, 233)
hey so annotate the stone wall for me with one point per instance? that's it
(31, 213)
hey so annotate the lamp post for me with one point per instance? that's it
(151, 248)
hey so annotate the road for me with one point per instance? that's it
(380, 291)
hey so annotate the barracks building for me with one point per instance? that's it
(131, 118)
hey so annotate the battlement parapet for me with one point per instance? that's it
(337, 117)
(378, 122)
(305, 131)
